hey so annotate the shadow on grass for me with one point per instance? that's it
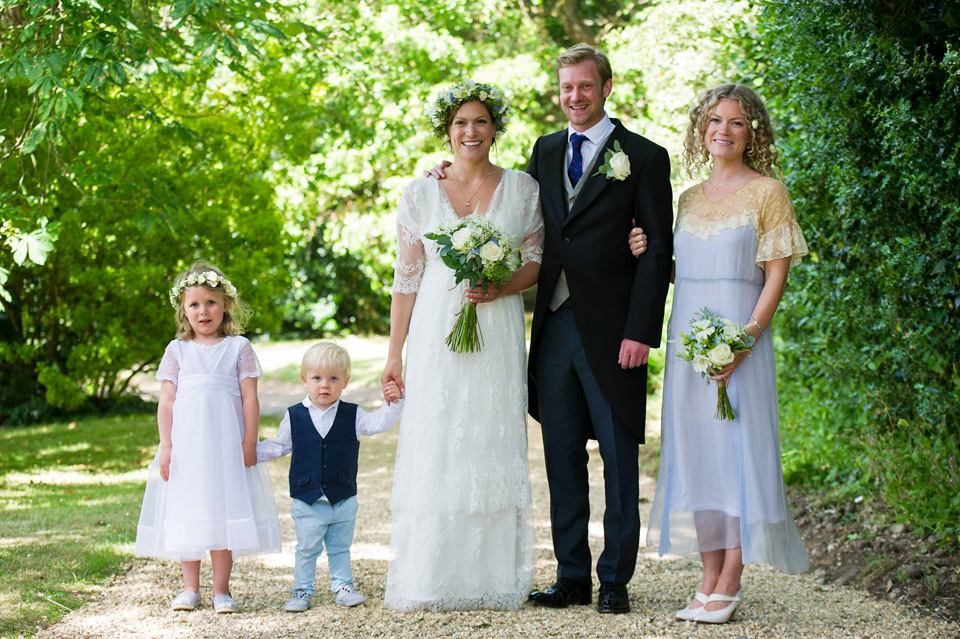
(96, 445)
(70, 497)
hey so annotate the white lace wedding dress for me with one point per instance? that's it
(461, 536)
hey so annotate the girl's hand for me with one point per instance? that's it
(725, 373)
(250, 454)
(165, 463)
(477, 295)
(638, 241)
(392, 377)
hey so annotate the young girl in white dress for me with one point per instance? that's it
(205, 493)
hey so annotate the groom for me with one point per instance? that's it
(599, 310)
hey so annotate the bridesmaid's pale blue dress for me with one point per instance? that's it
(721, 482)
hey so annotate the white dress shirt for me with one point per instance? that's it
(596, 134)
(382, 420)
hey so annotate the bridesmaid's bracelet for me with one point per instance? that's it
(757, 324)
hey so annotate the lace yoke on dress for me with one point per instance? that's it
(763, 203)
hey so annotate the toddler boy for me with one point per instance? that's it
(323, 433)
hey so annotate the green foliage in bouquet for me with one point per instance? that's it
(478, 252)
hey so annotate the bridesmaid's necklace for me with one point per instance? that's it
(717, 188)
(460, 188)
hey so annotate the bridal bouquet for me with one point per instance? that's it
(480, 253)
(712, 343)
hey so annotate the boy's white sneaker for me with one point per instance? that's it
(300, 602)
(186, 600)
(347, 596)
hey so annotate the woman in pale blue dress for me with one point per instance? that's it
(720, 492)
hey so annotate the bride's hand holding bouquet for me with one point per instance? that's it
(479, 252)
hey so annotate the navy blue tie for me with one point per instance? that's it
(576, 164)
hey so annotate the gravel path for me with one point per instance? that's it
(136, 604)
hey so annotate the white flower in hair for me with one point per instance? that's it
(452, 98)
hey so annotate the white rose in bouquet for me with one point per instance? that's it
(491, 251)
(461, 239)
(731, 332)
(720, 356)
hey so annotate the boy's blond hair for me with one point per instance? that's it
(326, 356)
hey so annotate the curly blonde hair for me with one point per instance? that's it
(235, 312)
(760, 153)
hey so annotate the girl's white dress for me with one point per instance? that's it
(461, 536)
(721, 483)
(211, 501)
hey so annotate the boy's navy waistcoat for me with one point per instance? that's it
(324, 465)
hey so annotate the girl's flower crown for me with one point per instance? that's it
(207, 278)
(449, 100)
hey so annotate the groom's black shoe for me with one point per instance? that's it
(566, 592)
(613, 598)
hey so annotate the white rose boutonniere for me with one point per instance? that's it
(616, 164)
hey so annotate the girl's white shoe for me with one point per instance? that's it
(718, 616)
(688, 613)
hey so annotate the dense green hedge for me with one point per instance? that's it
(868, 96)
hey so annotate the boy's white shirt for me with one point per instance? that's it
(379, 421)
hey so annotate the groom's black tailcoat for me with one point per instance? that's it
(614, 295)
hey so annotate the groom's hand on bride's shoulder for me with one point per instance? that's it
(437, 171)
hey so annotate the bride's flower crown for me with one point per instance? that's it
(450, 99)
(207, 278)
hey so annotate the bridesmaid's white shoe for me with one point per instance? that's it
(688, 613)
(718, 616)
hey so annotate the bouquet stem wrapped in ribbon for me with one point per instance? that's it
(479, 252)
(712, 343)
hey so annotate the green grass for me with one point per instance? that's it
(70, 498)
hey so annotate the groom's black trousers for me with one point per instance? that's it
(572, 410)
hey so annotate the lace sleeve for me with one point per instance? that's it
(780, 235)
(169, 368)
(410, 258)
(531, 247)
(247, 363)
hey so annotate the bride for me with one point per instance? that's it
(461, 536)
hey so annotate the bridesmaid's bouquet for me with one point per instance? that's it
(712, 343)
(479, 252)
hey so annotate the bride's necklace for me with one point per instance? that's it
(460, 188)
(723, 186)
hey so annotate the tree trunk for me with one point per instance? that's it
(577, 30)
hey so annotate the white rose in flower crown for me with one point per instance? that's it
(461, 239)
(720, 356)
(491, 252)
(620, 164)
(211, 278)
